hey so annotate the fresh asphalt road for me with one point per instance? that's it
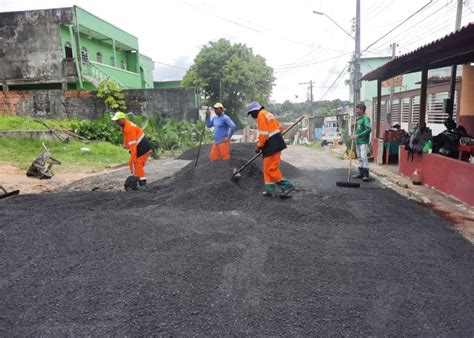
(197, 254)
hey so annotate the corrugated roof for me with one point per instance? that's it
(454, 48)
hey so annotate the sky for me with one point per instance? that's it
(299, 45)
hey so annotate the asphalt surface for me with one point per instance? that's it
(197, 254)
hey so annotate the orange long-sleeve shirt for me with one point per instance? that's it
(132, 135)
(268, 126)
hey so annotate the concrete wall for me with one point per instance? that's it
(30, 45)
(173, 103)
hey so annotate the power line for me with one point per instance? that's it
(167, 64)
(334, 83)
(401, 23)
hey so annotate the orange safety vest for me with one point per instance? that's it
(133, 136)
(268, 126)
(269, 133)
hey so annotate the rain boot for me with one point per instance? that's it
(360, 174)
(270, 190)
(366, 175)
(286, 187)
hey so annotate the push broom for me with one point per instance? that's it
(349, 184)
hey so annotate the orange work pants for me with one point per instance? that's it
(271, 168)
(220, 151)
(139, 165)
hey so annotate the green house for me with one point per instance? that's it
(68, 48)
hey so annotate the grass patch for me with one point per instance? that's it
(9, 122)
(22, 152)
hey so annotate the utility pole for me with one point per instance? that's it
(450, 103)
(392, 87)
(310, 83)
(356, 66)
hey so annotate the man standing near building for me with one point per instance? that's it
(224, 128)
(361, 139)
(138, 145)
(270, 143)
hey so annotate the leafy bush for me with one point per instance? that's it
(165, 134)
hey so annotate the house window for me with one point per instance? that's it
(122, 65)
(68, 50)
(100, 59)
(112, 61)
(84, 56)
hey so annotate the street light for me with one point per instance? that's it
(334, 22)
(356, 59)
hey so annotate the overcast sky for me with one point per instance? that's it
(299, 45)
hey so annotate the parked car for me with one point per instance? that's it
(331, 135)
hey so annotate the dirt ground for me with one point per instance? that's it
(199, 255)
(13, 178)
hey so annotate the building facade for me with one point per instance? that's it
(68, 48)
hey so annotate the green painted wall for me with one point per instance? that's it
(167, 84)
(95, 23)
(147, 66)
(132, 76)
(369, 88)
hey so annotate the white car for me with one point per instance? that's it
(331, 135)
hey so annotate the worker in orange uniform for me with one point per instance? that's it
(270, 143)
(138, 145)
(224, 128)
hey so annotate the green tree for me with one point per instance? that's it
(231, 74)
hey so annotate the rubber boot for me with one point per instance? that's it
(286, 187)
(360, 174)
(270, 190)
(366, 175)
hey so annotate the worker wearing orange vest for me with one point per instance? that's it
(138, 145)
(270, 143)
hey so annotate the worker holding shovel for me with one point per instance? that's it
(138, 145)
(224, 128)
(270, 144)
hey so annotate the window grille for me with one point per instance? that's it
(406, 109)
(84, 56)
(99, 57)
(415, 109)
(122, 65)
(435, 108)
(112, 61)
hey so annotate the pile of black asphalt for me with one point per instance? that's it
(197, 254)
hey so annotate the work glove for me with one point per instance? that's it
(258, 150)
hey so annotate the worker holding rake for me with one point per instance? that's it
(270, 144)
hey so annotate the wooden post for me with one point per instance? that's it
(379, 102)
(424, 85)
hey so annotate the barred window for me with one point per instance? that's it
(112, 61)
(84, 56)
(99, 57)
(122, 65)
(415, 109)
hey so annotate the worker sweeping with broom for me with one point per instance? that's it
(270, 144)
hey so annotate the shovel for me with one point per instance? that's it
(8, 194)
(236, 175)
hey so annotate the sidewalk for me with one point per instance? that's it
(446, 206)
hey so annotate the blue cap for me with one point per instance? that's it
(253, 106)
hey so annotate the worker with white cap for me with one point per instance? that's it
(224, 128)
